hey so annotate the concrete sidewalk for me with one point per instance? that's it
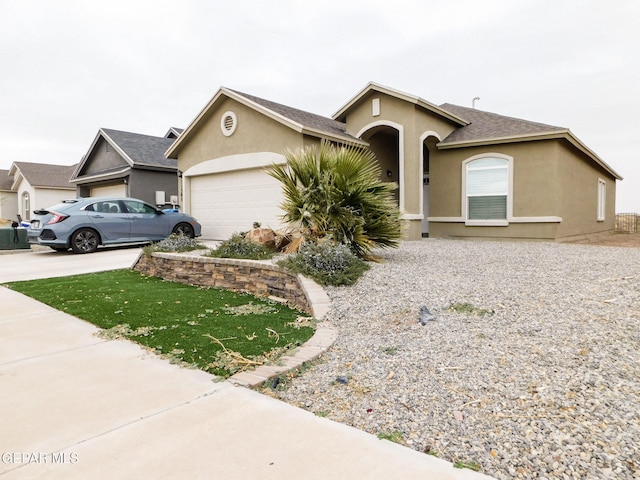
(75, 406)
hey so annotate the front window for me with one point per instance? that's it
(602, 197)
(26, 206)
(487, 188)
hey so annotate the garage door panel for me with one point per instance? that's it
(229, 202)
(117, 190)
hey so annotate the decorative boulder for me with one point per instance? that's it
(262, 236)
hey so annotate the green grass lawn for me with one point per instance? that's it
(218, 331)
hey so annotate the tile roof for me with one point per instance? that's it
(46, 175)
(5, 180)
(487, 126)
(306, 119)
(142, 150)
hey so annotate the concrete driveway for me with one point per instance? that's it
(75, 406)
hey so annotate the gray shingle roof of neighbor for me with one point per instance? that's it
(142, 150)
(306, 119)
(5, 180)
(486, 125)
(46, 175)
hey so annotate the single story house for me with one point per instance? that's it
(460, 172)
(129, 165)
(36, 185)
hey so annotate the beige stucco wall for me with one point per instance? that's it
(579, 194)
(535, 190)
(534, 172)
(254, 133)
(550, 179)
(414, 122)
(515, 231)
(8, 205)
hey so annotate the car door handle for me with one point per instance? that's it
(97, 216)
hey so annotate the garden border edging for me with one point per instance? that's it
(260, 278)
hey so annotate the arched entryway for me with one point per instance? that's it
(428, 141)
(385, 141)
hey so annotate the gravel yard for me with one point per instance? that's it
(534, 373)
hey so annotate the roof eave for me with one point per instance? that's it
(444, 145)
(586, 150)
(565, 134)
(298, 127)
(152, 166)
(336, 138)
(223, 91)
(403, 96)
(100, 176)
(56, 187)
(175, 146)
(101, 134)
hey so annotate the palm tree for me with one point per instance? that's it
(336, 192)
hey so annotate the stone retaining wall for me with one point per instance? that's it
(255, 277)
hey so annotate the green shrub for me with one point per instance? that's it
(239, 247)
(176, 242)
(328, 263)
(338, 192)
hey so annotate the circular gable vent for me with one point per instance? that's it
(228, 123)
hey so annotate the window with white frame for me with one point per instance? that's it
(487, 188)
(602, 197)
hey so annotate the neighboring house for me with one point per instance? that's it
(129, 165)
(460, 172)
(8, 197)
(39, 185)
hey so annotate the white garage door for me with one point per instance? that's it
(118, 190)
(229, 202)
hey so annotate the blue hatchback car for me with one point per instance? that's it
(83, 224)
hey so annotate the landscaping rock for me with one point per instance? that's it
(262, 236)
(425, 316)
(547, 385)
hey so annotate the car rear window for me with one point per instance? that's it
(61, 207)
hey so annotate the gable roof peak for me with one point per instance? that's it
(136, 149)
(299, 120)
(45, 175)
(418, 101)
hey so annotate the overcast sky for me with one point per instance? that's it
(68, 68)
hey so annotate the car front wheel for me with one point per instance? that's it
(184, 229)
(85, 240)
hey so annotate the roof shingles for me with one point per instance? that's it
(45, 175)
(5, 180)
(143, 150)
(306, 119)
(488, 126)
